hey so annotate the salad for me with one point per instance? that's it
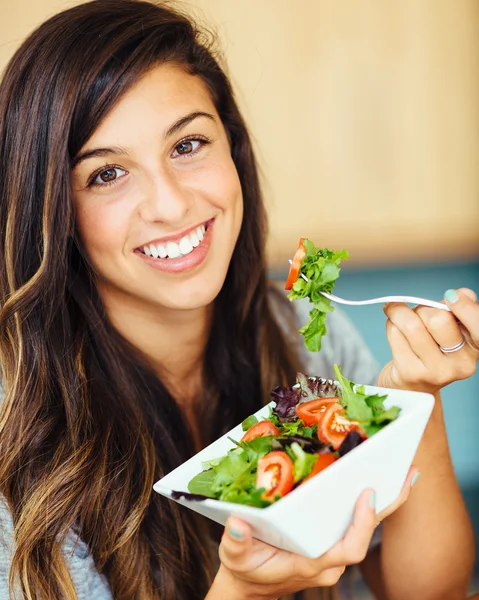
(312, 424)
(321, 268)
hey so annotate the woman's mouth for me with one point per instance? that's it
(176, 249)
(179, 255)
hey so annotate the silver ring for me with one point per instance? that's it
(455, 348)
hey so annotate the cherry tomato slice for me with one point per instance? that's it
(312, 411)
(324, 460)
(296, 265)
(260, 429)
(335, 426)
(275, 474)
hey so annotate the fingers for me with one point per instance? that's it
(413, 330)
(235, 545)
(406, 368)
(401, 347)
(441, 325)
(463, 303)
(416, 337)
(411, 479)
(353, 547)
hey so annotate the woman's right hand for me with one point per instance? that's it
(255, 570)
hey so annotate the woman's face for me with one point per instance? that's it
(157, 197)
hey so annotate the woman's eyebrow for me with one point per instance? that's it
(186, 120)
(100, 153)
(118, 150)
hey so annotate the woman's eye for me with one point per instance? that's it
(187, 147)
(108, 175)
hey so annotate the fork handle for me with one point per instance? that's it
(384, 299)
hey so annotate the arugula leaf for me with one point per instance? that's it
(355, 404)
(247, 495)
(233, 475)
(273, 417)
(321, 267)
(257, 447)
(232, 466)
(249, 422)
(303, 462)
(368, 410)
(202, 484)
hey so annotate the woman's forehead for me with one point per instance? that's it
(164, 95)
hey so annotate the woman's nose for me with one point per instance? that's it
(167, 199)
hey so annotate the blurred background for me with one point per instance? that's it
(365, 116)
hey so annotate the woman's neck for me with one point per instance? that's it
(172, 340)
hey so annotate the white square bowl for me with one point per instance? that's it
(314, 516)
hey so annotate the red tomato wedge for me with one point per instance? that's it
(296, 265)
(334, 426)
(275, 474)
(312, 411)
(260, 429)
(324, 460)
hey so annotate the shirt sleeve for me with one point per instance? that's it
(6, 548)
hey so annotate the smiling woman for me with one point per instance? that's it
(137, 325)
(157, 198)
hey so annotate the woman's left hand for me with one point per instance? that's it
(419, 337)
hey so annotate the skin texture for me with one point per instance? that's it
(160, 190)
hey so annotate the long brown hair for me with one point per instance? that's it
(86, 427)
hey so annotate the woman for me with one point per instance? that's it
(136, 327)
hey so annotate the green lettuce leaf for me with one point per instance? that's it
(368, 410)
(302, 461)
(203, 484)
(249, 422)
(321, 267)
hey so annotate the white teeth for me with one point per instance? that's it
(194, 239)
(185, 245)
(173, 250)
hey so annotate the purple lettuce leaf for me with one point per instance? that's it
(316, 387)
(286, 398)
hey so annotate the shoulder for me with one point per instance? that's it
(88, 582)
(343, 344)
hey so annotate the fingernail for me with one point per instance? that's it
(235, 534)
(415, 478)
(451, 296)
(372, 500)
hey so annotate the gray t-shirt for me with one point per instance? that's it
(343, 345)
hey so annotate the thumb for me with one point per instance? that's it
(235, 544)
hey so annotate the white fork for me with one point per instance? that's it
(383, 299)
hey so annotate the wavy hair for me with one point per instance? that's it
(86, 427)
